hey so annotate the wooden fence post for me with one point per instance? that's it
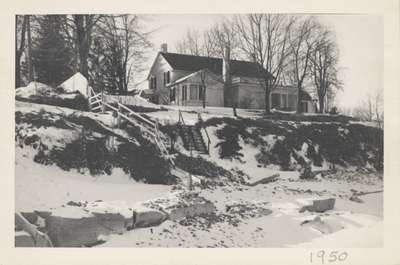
(103, 106)
(118, 115)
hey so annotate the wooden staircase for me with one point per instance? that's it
(192, 137)
(148, 127)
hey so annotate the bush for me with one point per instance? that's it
(333, 111)
(79, 102)
(339, 143)
(201, 167)
(144, 164)
(229, 147)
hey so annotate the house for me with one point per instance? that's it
(188, 80)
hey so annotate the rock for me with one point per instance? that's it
(265, 180)
(71, 232)
(193, 210)
(72, 203)
(39, 238)
(355, 199)
(149, 217)
(23, 239)
(319, 206)
(248, 210)
(30, 216)
(43, 214)
(325, 226)
(115, 222)
(309, 208)
(323, 205)
(76, 232)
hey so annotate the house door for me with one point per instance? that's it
(304, 106)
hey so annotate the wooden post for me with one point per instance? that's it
(118, 116)
(103, 106)
(89, 95)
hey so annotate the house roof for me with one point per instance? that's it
(183, 79)
(305, 96)
(192, 63)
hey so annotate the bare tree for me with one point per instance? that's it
(324, 67)
(123, 46)
(222, 35)
(302, 41)
(209, 44)
(21, 23)
(83, 26)
(191, 43)
(371, 109)
(264, 39)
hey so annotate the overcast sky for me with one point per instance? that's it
(360, 40)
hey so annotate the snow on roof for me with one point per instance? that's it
(33, 88)
(76, 83)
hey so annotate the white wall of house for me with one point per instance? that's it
(250, 93)
(158, 70)
(214, 92)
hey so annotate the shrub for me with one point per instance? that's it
(79, 102)
(339, 143)
(201, 167)
(144, 163)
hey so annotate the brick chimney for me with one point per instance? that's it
(164, 48)
(227, 78)
(226, 67)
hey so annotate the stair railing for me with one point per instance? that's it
(180, 119)
(204, 129)
(152, 128)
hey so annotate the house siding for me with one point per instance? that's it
(161, 66)
(250, 93)
(214, 92)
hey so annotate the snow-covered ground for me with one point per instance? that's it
(39, 187)
(274, 219)
(282, 228)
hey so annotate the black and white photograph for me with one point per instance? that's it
(234, 130)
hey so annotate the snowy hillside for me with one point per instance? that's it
(73, 166)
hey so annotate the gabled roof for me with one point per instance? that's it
(305, 96)
(183, 79)
(192, 63)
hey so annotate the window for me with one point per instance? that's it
(184, 92)
(172, 94)
(167, 77)
(276, 101)
(153, 83)
(284, 101)
(304, 106)
(194, 92)
(292, 102)
(201, 92)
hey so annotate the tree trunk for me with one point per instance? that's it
(29, 56)
(18, 51)
(204, 96)
(267, 95)
(321, 104)
(299, 110)
(83, 44)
